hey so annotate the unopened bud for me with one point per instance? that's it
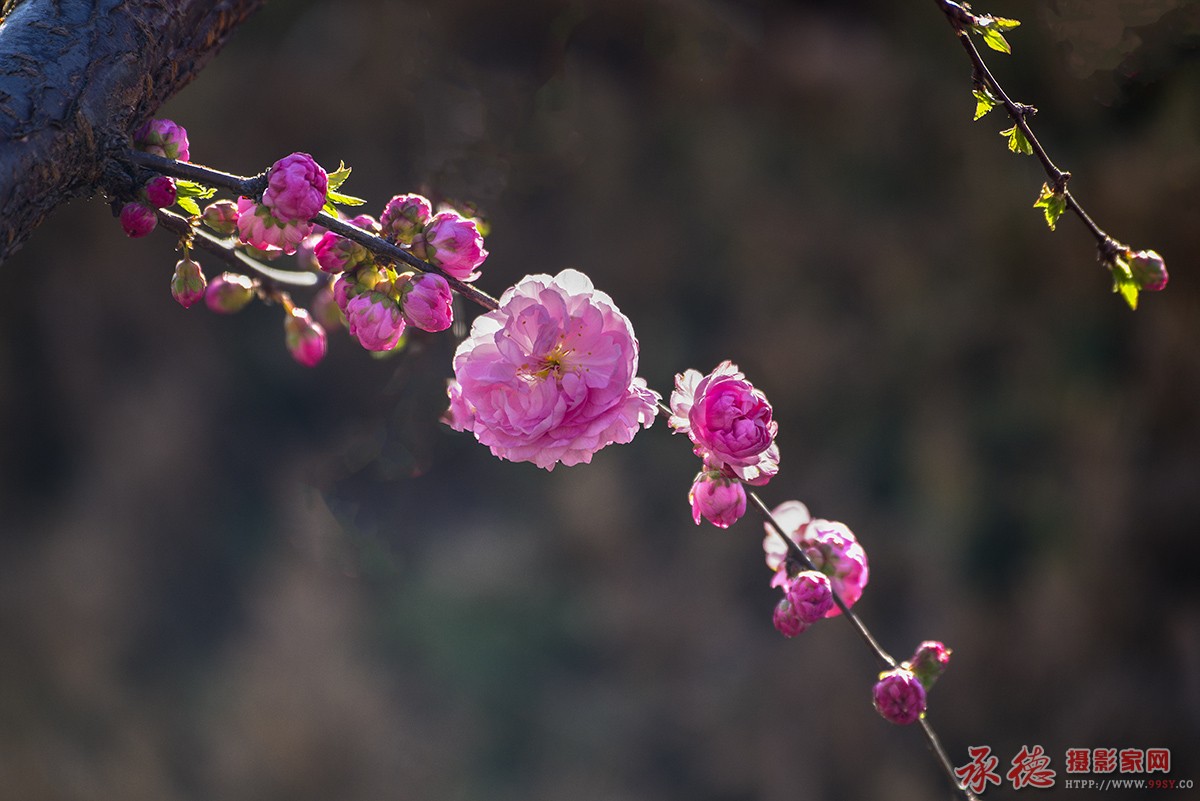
(305, 338)
(899, 697)
(810, 595)
(221, 216)
(325, 309)
(188, 283)
(137, 220)
(929, 662)
(229, 293)
(160, 191)
(1149, 270)
(404, 217)
(787, 620)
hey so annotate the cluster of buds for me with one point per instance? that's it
(900, 694)
(831, 550)
(162, 138)
(730, 425)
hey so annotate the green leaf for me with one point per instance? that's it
(1053, 205)
(330, 209)
(1005, 24)
(1017, 142)
(995, 40)
(984, 102)
(338, 176)
(343, 200)
(185, 189)
(1123, 281)
(188, 205)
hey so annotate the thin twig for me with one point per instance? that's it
(961, 19)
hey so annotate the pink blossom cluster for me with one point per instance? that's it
(807, 598)
(730, 425)
(447, 240)
(550, 377)
(831, 547)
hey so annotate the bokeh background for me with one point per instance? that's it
(225, 576)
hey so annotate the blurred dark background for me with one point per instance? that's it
(225, 576)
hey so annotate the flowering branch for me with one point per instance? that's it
(1132, 272)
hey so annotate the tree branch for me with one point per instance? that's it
(76, 78)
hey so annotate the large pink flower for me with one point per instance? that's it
(831, 547)
(550, 376)
(728, 420)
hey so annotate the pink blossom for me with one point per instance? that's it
(305, 338)
(365, 222)
(453, 243)
(344, 289)
(188, 283)
(325, 309)
(550, 376)
(375, 320)
(717, 498)
(459, 416)
(163, 138)
(787, 620)
(137, 220)
(831, 547)
(427, 302)
(809, 594)
(296, 187)
(335, 254)
(404, 217)
(160, 191)
(259, 228)
(899, 697)
(728, 421)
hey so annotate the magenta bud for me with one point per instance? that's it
(160, 191)
(325, 309)
(899, 697)
(427, 302)
(787, 620)
(163, 138)
(229, 293)
(929, 662)
(375, 319)
(453, 243)
(296, 188)
(1149, 270)
(335, 254)
(717, 498)
(404, 217)
(305, 338)
(188, 283)
(138, 220)
(221, 216)
(810, 595)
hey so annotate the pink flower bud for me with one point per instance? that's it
(404, 217)
(336, 254)
(929, 662)
(344, 288)
(188, 283)
(899, 697)
(305, 338)
(787, 620)
(261, 229)
(296, 187)
(137, 220)
(453, 243)
(365, 222)
(810, 595)
(221, 216)
(229, 293)
(1149, 270)
(325, 309)
(160, 191)
(162, 138)
(427, 302)
(376, 321)
(718, 499)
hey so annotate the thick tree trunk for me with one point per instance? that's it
(77, 77)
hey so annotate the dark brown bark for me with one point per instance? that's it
(76, 78)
